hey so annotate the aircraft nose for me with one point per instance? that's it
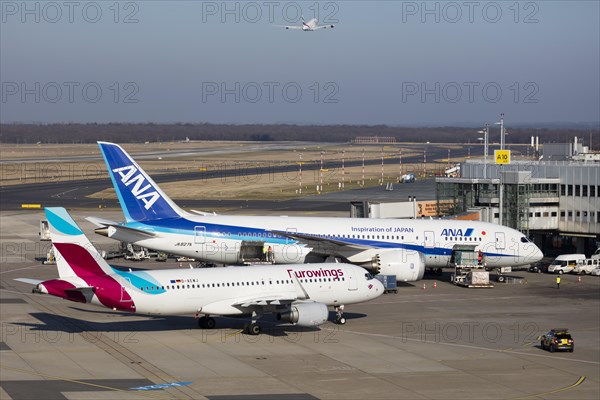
(378, 287)
(536, 255)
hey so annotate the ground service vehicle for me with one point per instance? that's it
(565, 263)
(557, 339)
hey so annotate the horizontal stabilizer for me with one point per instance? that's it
(29, 281)
(100, 222)
(124, 234)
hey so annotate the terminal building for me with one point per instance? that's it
(555, 201)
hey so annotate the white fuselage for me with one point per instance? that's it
(232, 290)
(221, 239)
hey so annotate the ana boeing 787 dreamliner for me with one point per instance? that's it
(298, 294)
(310, 26)
(400, 247)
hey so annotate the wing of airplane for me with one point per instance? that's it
(324, 245)
(266, 301)
(289, 26)
(323, 27)
(247, 305)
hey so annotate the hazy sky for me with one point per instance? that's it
(387, 62)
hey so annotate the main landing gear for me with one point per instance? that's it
(339, 315)
(253, 328)
(207, 322)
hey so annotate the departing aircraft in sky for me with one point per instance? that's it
(297, 294)
(311, 25)
(401, 247)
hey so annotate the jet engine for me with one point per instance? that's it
(407, 265)
(305, 314)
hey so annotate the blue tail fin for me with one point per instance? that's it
(140, 197)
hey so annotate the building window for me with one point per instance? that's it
(592, 191)
(570, 190)
(584, 190)
(553, 214)
(577, 190)
(562, 214)
(562, 190)
(538, 214)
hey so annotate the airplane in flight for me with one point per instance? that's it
(297, 294)
(311, 25)
(401, 247)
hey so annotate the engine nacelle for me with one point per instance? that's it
(407, 265)
(305, 314)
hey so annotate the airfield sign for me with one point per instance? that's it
(502, 156)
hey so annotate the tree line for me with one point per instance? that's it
(149, 132)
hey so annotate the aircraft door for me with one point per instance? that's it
(429, 239)
(352, 281)
(199, 234)
(500, 240)
(290, 231)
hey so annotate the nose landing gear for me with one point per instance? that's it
(339, 315)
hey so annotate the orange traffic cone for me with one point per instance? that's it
(579, 279)
(434, 284)
(424, 287)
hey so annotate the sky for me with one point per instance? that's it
(389, 62)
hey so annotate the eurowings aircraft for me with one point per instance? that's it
(309, 26)
(298, 294)
(401, 247)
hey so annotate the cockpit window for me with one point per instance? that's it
(368, 276)
(524, 239)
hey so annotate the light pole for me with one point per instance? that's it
(343, 168)
(321, 174)
(363, 168)
(382, 165)
(501, 188)
(300, 180)
(485, 132)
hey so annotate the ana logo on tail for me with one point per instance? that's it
(128, 177)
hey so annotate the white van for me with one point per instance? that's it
(565, 263)
(596, 255)
(587, 266)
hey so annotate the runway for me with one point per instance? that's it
(74, 193)
(432, 343)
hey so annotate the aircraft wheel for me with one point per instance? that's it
(341, 321)
(253, 329)
(210, 323)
